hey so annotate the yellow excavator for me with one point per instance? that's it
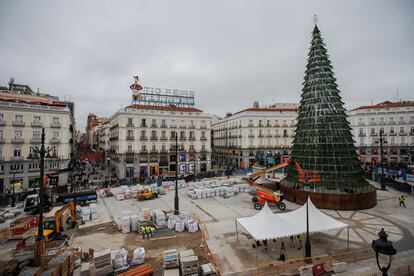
(58, 220)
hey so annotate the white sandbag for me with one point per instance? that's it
(138, 256)
(180, 226)
(171, 223)
(192, 227)
(119, 258)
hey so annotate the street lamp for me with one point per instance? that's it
(109, 165)
(176, 146)
(382, 141)
(307, 242)
(41, 153)
(13, 203)
(383, 246)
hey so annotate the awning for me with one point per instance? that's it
(266, 225)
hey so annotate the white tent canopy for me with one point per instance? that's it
(267, 225)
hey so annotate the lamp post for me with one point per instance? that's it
(176, 202)
(307, 242)
(109, 165)
(13, 202)
(385, 247)
(382, 141)
(41, 153)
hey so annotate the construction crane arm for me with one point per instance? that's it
(271, 169)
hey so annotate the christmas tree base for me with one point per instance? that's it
(330, 200)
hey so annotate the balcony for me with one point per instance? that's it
(250, 125)
(261, 136)
(113, 127)
(143, 125)
(163, 126)
(154, 151)
(130, 138)
(373, 134)
(191, 139)
(2, 122)
(403, 133)
(37, 124)
(163, 151)
(153, 125)
(55, 125)
(191, 127)
(362, 134)
(17, 140)
(154, 138)
(173, 126)
(172, 138)
(251, 135)
(18, 123)
(55, 140)
(269, 135)
(392, 134)
(143, 138)
(240, 136)
(203, 127)
(144, 151)
(183, 138)
(17, 158)
(391, 123)
(277, 135)
(284, 125)
(412, 133)
(183, 126)
(130, 125)
(361, 123)
(113, 138)
(163, 138)
(36, 140)
(205, 138)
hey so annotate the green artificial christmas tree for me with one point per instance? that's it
(323, 140)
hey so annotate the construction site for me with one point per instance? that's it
(107, 237)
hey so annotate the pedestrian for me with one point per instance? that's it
(148, 231)
(402, 200)
(292, 241)
(143, 231)
(265, 244)
(300, 240)
(282, 255)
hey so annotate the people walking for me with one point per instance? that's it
(148, 231)
(292, 241)
(282, 255)
(402, 200)
(300, 240)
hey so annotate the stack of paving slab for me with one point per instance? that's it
(170, 185)
(159, 217)
(103, 262)
(218, 187)
(94, 211)
(86, 213)
(126, 222)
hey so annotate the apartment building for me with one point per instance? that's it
(142, 140)
(396, 122)
(238, 136)
(23, 114)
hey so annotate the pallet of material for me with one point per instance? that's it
(102, 258)
(141, 270)
(60, 263)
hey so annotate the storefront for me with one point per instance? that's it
(203, 167)
(34, 182)
(129, 171)
(153, 170)
(143, 171)
(183, 168)
(18, 185)
(191, 168)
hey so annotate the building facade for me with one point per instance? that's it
(142, 140)
(23, 114)
(92, 122)
(238, 137)
(396, 122)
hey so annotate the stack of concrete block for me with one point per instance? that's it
(159, 217)
(134, 223)
(103, 263)
(94, 211)
(86, 213)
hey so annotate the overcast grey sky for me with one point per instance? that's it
(229, 52)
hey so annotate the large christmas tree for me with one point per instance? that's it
(323, 141)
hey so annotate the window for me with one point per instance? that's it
(402, 129)
(392, 140)
(173, 134)
(55, 135)
(402, 140)
(381, 120)
(129, 121)
(163, 134)
(129, 147)
(391, 130)
(153, 134)
(361, 141)
(382, 130)
(130, 133)
(203, 147)
(372, 121)
(173, 123)
(36, 135)
(143, 123)
(401, 119)
(153, 122)
(203, 134)
(56, 120)
(182, 134)
(191, 147)
(143, 148)
(372, 130)
(391, 119)
(361, 131)
(1, 116)
(18, 134)
(153, 147)
(250, 122)
(18, 118)
(16, 152)
(163, 124)
(163, 147)
(143, 133)
(192, 134)
(1, 134)
(36, 119)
